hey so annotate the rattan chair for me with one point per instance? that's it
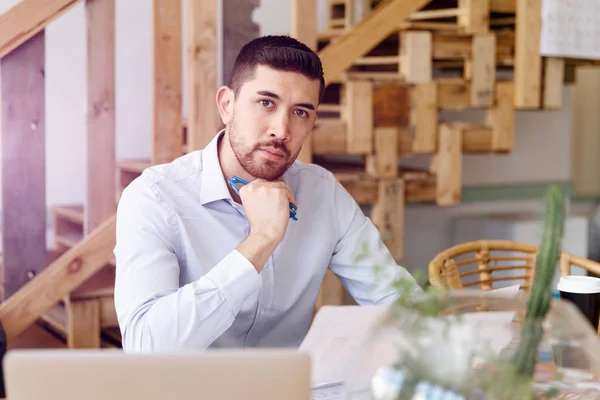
(485, 262)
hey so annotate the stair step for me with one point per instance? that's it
(69, 239)
(101, 284)
(73, 213)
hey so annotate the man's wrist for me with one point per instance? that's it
(257, 248)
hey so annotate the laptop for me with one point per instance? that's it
(113, 374)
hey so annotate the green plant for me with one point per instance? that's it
(498, 378)
(541, 291)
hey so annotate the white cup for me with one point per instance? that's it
(578, 284)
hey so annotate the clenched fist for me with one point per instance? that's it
(267, 205)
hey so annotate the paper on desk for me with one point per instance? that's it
(335, 337)
(337, 333)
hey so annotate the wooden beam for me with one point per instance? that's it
(168, 63)
(554, 71)
(446, 165)
(383, 162)
(59, 279)
(454, 94)
(359, 117)
(415, 56)
(100, 200)
(475, 16)
(304, 28)
(528, 61)
(501, 117)
(503, 6)
(388, 215)
(338, 55)
(23, 119)
(202, 114)
(424, 116)
(483, 70)
(329, 138)
(27, 18)
(391, 105)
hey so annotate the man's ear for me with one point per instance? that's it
(225, 98)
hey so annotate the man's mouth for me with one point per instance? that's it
(273, 154)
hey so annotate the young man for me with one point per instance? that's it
(199, 266)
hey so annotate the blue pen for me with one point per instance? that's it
(235, 180)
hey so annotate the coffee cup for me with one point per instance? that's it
(584, 292)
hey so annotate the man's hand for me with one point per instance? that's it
(267, 205)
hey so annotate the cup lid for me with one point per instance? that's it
(579, 284)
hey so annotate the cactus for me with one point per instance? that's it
(525, 356)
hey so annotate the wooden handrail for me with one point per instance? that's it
(58, 279)
(338, 55)
(26, 18)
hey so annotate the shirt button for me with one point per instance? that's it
(262, 312)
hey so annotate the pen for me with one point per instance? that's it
(235, 180)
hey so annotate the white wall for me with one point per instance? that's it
(541, 150)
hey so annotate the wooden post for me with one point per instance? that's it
(359, 116)
(383, 163)
(415, 56)
(475, 17)
(424, 117)
(528, 62)
(304, 28)
(168, 60)
(501, 118)
(202, 114)
(23, 163)
(100, 199)
(483, 70)
(388, 215)
(447, 165)
(554, 70)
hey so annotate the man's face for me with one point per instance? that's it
(273, 114)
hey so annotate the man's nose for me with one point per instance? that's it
(280, 127)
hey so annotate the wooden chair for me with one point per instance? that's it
(485, 262)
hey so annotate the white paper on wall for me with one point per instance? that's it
(571, 28)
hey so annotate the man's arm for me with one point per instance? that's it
(361, 260)
(154, 313)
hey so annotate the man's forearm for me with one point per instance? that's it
(193, 316)
(257, 248)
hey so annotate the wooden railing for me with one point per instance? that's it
(27, 18)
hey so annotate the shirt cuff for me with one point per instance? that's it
(236, 278)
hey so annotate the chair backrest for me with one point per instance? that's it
(483, 263)
(486, 262)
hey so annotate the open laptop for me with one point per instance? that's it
(113, 374)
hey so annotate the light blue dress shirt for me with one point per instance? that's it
(181, 285)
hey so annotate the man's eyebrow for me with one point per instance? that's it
(274, 96)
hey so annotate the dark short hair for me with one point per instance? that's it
(279, 52)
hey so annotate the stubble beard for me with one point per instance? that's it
(263, 169)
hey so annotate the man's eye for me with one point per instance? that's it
(301, 113)
(266, 103)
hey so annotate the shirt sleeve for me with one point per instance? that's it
(154, 312)
(361, 259)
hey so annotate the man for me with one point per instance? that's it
(199, 266)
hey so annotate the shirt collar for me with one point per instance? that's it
(213, 186)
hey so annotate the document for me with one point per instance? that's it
(570, 28)
(334, 340)
(338, 334)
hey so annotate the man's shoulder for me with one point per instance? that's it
(312, 174)
(168, 176)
